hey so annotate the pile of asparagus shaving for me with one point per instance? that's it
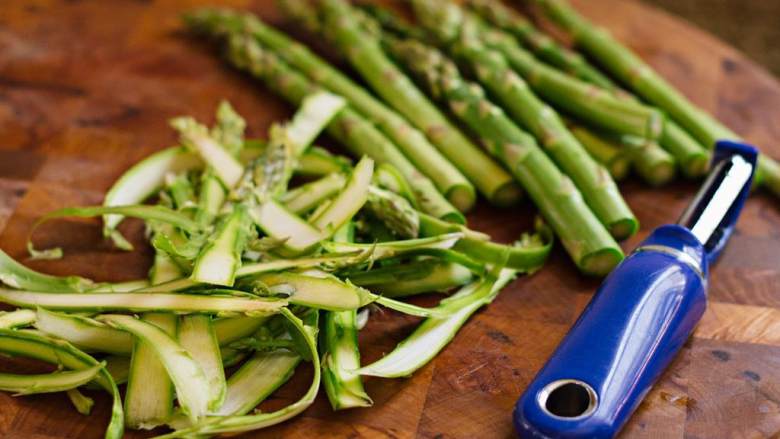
(253, 243)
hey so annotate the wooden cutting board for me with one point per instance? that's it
(87, 87)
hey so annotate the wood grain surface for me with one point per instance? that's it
(87, 87)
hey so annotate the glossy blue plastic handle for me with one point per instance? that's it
(639, 318)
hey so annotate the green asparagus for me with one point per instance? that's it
(588, 243)
(366, 55)
(635, 73)
(492, 69)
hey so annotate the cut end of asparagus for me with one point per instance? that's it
(662, 173)
(602, 262)
(696, 166)
(623, 229)
(462, 197)
(620, 168)
(506, 195)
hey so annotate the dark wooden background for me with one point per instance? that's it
(87, 87)
(749, 25)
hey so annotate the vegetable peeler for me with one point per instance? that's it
(640, 317)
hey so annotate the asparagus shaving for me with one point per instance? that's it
(83, 332)
(230, 329)
(197, 137)
(81, 402)
(413, 278)
(341, 357)
(197, 336)
(341, 353)
(238, 424)
(48, 383)
(351, 199)
(17, 319)
(143, 180)
(150, 392)
(182, 303)
(329, 261)
(58, 352)
(315, 113)
(257, 378)
(434, 333)
(383, 250)
(192, 387)
(16, 275)
(220, 259)
(306, 197)
(316, 289)
(229, 128)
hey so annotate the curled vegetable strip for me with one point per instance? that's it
(16, 275)
(342, 259)
(183, 303)
(239, 424)
(83, 332)
(15, 319)
(32, 345)
(48, 383)
(435, 333)
(382, 250)
(192, 387)
(155, 213)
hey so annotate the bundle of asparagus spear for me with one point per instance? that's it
(260, 244)
(245, 267)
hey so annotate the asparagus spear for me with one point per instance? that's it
(538, 42)
(411, 141)
(635, 73)
(691, 156)
(366, 56)
(595, 105)
(588, 243)
(350, 128)
(653, 163)
(602, 150)
(492, 69)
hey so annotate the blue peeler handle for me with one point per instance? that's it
(639, 318)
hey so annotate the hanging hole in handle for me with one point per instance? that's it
(568, 399)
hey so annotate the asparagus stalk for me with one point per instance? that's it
(545, 48)
(620, 61)
(493, 70)
(585, 238)
(653, 163)
(612, 156)
(412, 142)
(586, 101)
(367, 57)
(354, 131)
(691, 157)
